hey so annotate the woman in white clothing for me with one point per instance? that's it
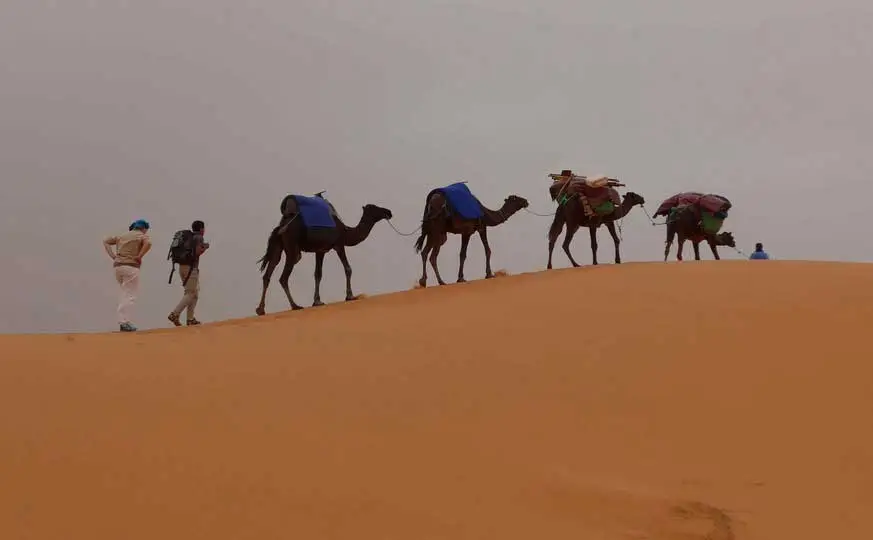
(130, 248)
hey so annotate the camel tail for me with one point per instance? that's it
(419, 244)
(273, 243)
(425, 229)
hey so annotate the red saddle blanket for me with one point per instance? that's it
(705, 202)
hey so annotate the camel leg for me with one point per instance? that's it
(268, 273)
(610, 226)
(290, 261)
(554, 233)
(679, 248)
(465, 241)
(424, 252)
(671, 234)
(483, 234)
(714, 249)
(696, 245)
(341, 253)
(568, 237)
(592, 230)
(435, 252)
(319, 266)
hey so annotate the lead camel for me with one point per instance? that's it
(292, 238)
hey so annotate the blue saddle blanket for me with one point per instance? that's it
(314, 211)
(461, 200)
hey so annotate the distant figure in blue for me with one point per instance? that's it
(759, 253)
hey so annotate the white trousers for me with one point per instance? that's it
(128, 278)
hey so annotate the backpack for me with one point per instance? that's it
(181, 250)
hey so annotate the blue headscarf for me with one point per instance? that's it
(139, 224)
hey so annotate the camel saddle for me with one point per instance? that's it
(320, 195)
(596, 193)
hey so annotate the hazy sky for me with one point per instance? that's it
(215, 109)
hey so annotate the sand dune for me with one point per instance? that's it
(712, 400)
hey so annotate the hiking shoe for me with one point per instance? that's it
(127, 327)
(192, 322)
(173, 318)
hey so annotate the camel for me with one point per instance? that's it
(437, 223)
(292, 238)
(570, 212)
(686, 226)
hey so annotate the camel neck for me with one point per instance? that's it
(357, 234)
(496, 217)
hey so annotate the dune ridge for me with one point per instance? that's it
(679, 401)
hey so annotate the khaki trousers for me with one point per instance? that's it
(191, 291)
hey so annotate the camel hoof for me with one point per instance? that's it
(489, 276)
(260, 312)
(317, 304)
(618, 261)
(422, 283)
(462, 280)
(351, 298)
(296, 308)
(441, 283)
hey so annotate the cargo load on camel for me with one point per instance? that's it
(596, 193)
(709, 210)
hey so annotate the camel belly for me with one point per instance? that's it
(461, 226)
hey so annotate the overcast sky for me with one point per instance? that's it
(216, 109)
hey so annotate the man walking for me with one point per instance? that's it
(759, 253)
(130, 248)
(192, 247)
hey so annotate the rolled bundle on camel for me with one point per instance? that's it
(312, 225)
(696, 216)
(454, 209)
(587, 202)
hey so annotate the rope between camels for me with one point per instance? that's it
(402, 233)
(738, 250)
(652, 221)
(538, 214)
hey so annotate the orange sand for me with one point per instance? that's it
(710, 400)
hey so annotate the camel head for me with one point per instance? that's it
(515, 203)
(634, 198)
(726, 239)
(377, 213)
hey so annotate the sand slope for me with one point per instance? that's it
(711, 400)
